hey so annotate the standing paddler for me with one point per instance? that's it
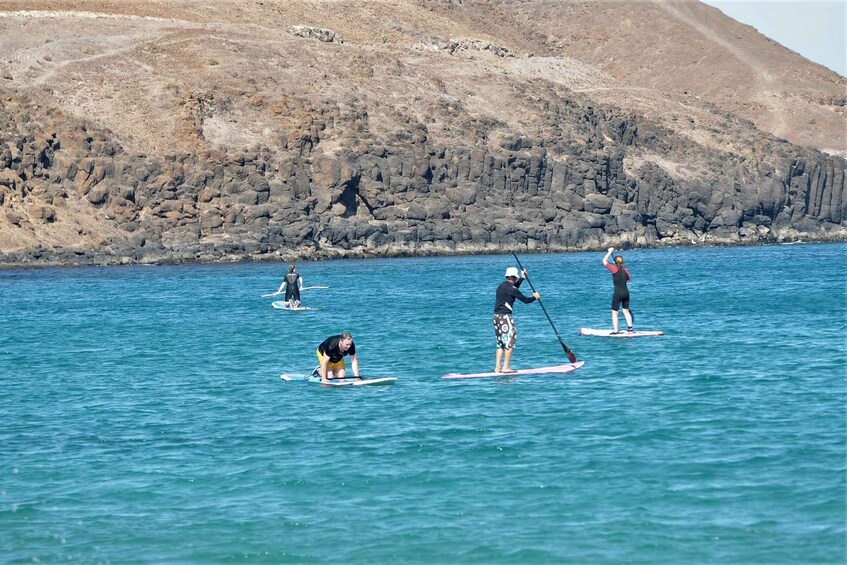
(505, 331)
(620, 297)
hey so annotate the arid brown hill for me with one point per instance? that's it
(187, 130)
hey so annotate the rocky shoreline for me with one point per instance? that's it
(78, 198)
(394, 201)
(148, 133)
(38, 259)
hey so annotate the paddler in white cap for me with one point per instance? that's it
(505, 331)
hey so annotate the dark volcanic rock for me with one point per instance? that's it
(616, 179)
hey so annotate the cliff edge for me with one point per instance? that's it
(178, 131)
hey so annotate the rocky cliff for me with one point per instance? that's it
(188, 131)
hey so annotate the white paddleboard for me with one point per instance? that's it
(281, 305)
(553, 370)
(624, 333)
(360, 382)
(349, 381)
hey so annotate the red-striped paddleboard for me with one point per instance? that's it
(553, 370)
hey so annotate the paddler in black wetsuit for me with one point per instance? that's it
(331, 354)
(292, 283)
(620, 276)
(505, 331)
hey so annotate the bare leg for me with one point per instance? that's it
(498, 357)
(628, 317)
(614, 321)
(507, 367)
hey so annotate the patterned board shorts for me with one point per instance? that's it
(505, 331)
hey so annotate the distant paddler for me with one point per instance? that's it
(292, 284)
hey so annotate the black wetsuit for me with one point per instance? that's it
(620, 276)
(292, 289)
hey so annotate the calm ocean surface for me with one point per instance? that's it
(142, 418)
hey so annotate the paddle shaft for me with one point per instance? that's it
(286, 377)
(568, 352)
(277, 293)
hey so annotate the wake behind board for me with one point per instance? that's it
(350, 381)
(554, 370)
(281, 305)
(624, 333)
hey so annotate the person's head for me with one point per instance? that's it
(291, 268)
(346, 341)
(619, 260)
(512, 274)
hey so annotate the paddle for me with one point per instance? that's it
(303, 377)
(277, 293)
(568, 352)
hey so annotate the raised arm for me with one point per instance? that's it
(521, 279)
(608, 254)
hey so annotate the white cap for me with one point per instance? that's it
(512, 272)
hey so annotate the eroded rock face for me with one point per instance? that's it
(408, 198)
(221, 134)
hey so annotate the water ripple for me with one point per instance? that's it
(143, 417)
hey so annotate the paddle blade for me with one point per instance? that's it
(571, 355)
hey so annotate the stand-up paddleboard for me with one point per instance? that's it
(553, 370)
(281, 305)
(313, 287)
(624, 333)
(347, 381)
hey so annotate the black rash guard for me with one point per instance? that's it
(506, 295)
(330, 348)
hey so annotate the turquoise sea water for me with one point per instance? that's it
(142, 418)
